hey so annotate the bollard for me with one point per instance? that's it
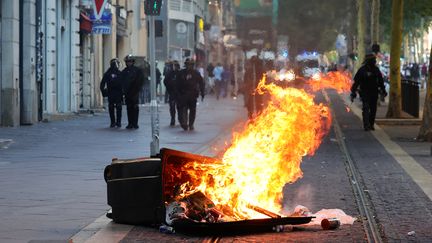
(410, 97)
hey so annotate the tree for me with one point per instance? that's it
(361, 31)
(395, 100)
(417, 15)
(375, 13)
(425, 132)
(314, 25)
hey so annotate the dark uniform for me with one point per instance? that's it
(253, 74)
(111, 87)
(370, 83)
(133, 81)
(171, 90)
(189, 85)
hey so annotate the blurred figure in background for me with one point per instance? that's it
(226, 79)
(217, 72)
(254, 71)
(210, 82)
(168, 67)
(424, 72)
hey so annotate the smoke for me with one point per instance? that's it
(303, 195)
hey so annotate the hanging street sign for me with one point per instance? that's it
(98, 8)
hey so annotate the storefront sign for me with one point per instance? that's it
(102, 26)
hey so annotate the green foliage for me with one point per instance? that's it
(417, 16)
(314, 25)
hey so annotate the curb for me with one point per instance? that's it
(408, 122)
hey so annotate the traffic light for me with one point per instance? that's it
(152, 7)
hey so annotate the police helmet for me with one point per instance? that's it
(129, 58)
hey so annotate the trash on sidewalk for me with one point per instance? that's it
(330, 224)
(166, 229)
(329, 215)
(411, 233)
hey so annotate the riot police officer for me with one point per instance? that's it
(171, 89)
(189, 85)
(133, 79)
(111, 87)
(371, 83)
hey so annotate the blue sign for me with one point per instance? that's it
(102, 26)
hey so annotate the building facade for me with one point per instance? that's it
(52, 60)
(178, 32)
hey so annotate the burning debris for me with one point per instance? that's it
(266, 155)
(195, 207)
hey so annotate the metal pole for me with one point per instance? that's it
(154, 145)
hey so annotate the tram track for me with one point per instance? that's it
(364, 204)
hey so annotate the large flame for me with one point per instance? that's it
(266, 155)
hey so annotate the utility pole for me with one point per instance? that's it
(154, 144)
(151, 9)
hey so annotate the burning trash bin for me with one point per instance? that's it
(149, 191)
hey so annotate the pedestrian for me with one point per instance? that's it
(171, 89)
(189, 85)
(233, 81)
(210, 81)
(133, 81)
(158, 79)
(253, 73)
(415, 72)
(226, 79)
(423, 75)
(168, 67)
(217, 72)
(111, 87)
(370, 83)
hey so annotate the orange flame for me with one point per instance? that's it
(340, 81)
(267, 154)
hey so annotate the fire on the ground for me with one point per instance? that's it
(262, 158)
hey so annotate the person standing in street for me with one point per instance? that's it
(370, 83)
(111, 87)
(210, 81)
(189, 85)
(217, 72)
(226, 79)
(253, 74)
(158, 80)
(133, 81)
(168, 67)
(423, 71)
(171, 90)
